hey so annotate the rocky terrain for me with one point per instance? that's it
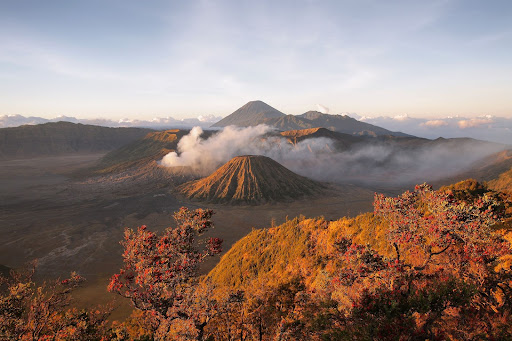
(251, 179)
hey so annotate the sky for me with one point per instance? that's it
(143, 59)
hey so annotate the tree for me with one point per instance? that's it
(32, 312)
(444, 281)
(159, 274)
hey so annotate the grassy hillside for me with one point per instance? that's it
(63, 138)
(304, 247)
(503, 182)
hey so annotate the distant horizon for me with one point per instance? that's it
(133, 60)
(315, 107)
(483, 127)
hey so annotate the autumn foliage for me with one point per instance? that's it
(445, 280)
(159, 273)
(42, 312)
(426, 264)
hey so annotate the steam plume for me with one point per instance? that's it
(322, 108)
(319, 158)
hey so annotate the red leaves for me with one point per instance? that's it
(158, 270)
(214, 246)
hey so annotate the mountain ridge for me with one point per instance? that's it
(257, 112)
(57, 138)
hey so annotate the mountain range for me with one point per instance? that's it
(204, 121)
(258, 112)
(62, 138)
(485, 127)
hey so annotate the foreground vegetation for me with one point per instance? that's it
(424, 265)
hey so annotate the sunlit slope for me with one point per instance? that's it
(299, 247)
(251, 179)
(503, 183)
(307, 248)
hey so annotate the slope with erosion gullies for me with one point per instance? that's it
(251, 179)
(58, 138)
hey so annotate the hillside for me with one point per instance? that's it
(63, 138)
(251, 179)
(489, 169)
(258, 112)
(343, 141)
(346, 124)
(307, 248)
(298, 247)
(502, 182)
(151, 147)
(251, 114)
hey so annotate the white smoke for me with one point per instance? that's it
(372, 161)
(322, 108)
(204, 156)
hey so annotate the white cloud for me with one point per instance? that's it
(401, 117)
(323, 109)
(204, 121)
(473, 123)
(434, 123)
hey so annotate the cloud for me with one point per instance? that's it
(323, 109)
(319, 158)
(206, 121)
(401, 117)
(473, 123)
(434, 123)
(485, 127)
(203, 156)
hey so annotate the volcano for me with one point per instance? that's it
(251, 179)
(251, 114)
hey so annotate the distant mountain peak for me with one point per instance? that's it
(258, 112)
(250, 114)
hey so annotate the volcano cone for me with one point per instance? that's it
(251, 179)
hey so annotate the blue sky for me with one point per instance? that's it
(143, 59)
